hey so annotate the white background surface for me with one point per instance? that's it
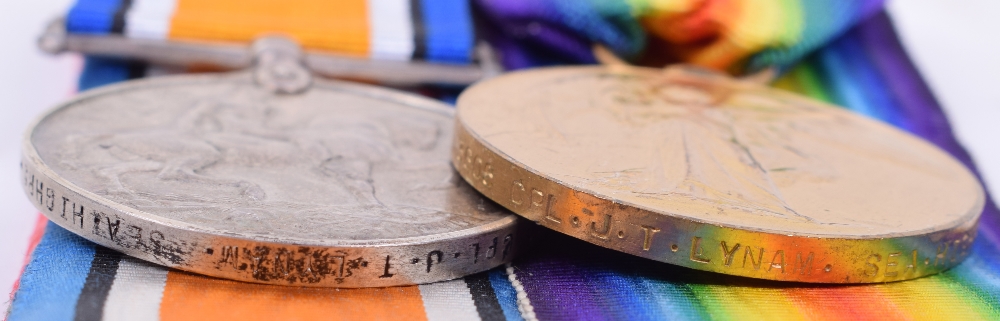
(955, 47)
(30, 82)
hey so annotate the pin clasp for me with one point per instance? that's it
(278, 65)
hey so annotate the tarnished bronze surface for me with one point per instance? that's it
(336, 185)
(700, 170)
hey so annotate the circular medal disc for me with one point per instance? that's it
(340, 186)
(700, 170)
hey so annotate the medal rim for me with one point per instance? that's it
(955, 233)
(972, 214)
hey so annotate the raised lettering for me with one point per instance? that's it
(517, 193)
(430, 257)
(507, 242)
(942, 253)
(134, 234)
(340, 262)
(955, 254)
(385, 273)
(475, 253)
(97, 222)
(308, 266)
(468, 158)
(77, 214)
(604, 231)
(804, 267)
(537, 197)
(258, 256)
(282, 260)
(696, 252)
(727, 254)
(231, 255)
(487, 174)
(550, 210)
(647, 239)
(755, 263)
(872, 264)
(477, 167)
(65, 200)
(775, 264)
(482, 171)
(890, 265)
(38, 191)
(51, 196)
(112, 227)
(912, 266)
(491, 251)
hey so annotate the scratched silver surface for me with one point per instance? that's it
(232, 157)
(190, 171)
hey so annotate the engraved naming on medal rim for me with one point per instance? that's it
(696, 169)
(341, 185)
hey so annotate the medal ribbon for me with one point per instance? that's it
(734, 35)
(865, 69)
(436, 31)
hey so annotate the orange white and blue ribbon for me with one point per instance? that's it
(432, 30)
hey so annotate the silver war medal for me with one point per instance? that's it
(266, 176)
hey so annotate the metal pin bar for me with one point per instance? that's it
(231, 56)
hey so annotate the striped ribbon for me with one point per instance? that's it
(432, 30)
(723, 34)
(107, 285)
(561, 278)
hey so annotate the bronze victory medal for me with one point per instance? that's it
(701, 170)
(340, 185)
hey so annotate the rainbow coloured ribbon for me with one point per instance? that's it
(734, 35)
